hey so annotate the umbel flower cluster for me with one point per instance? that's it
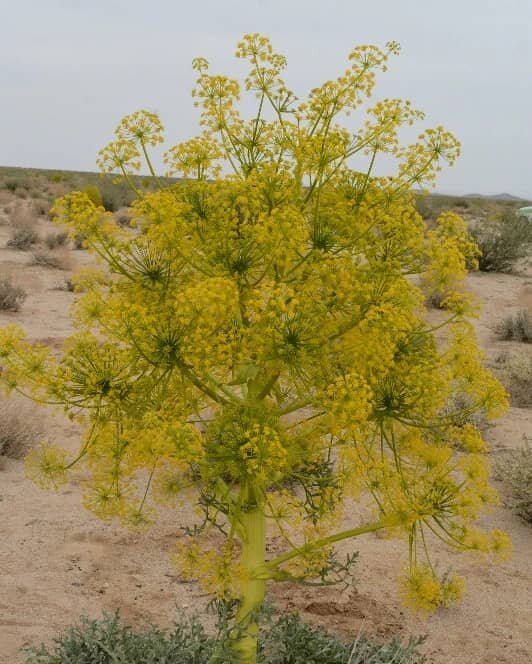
(258, 343)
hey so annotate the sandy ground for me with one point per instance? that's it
(58, 561)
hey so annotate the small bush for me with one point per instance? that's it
(123, 217)
(41, 207)
(54, 240)
(291, 641)
(288, 641)
(66, 285)
(11, 297)
(515, 328)
(23, 237)
(47, 259)
(15, 185)
(515, 468)
(18, 428)
(461, 409)
(79, 242)
(503, 242)
(116, 195)
(515, 372)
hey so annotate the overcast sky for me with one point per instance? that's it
(69, 70)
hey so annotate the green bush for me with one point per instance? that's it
(11, 297)
(515, 328)
(14, 184)
(116, 195)
(503, 242)
(515, 468)
(288, 641)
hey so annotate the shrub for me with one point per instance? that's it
(430, 207)
(116, 195)
(274, 308)
(515, 468)
(288, 641)
(18, 428)
(515, 328)
(11, 297)
(502, 243)
(23, 237)
(123, 217)
(515, 371)
(41, 207)
(79, 241)
(51, 260)
(66, 285)
(54, 240)
(16, 185)
(461, 410)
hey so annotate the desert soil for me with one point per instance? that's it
(58, 561)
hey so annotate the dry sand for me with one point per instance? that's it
(58, 561)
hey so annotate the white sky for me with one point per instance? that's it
(69, 70)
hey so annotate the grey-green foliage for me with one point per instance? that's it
(107, 641)
(291, 641)
(286, 641)
(503, 242)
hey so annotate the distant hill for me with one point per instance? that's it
(496, 197)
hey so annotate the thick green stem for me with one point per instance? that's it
(253, 523)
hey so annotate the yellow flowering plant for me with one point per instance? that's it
(257, 342)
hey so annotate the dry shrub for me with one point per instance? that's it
(11, 297)
(55, 240)
(19, 427)
(461, 409)
(515, 328)
(65, 285)
(515, 372)
(515, 468)
(41, 207)
(79, 242)
(55, 260)
(22, 237)
(5, 197)
(123, 217)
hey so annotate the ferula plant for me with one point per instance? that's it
(257, 344)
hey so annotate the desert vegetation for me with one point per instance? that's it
(515, 468)
(255, 346)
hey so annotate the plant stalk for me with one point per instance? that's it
(253, 524)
